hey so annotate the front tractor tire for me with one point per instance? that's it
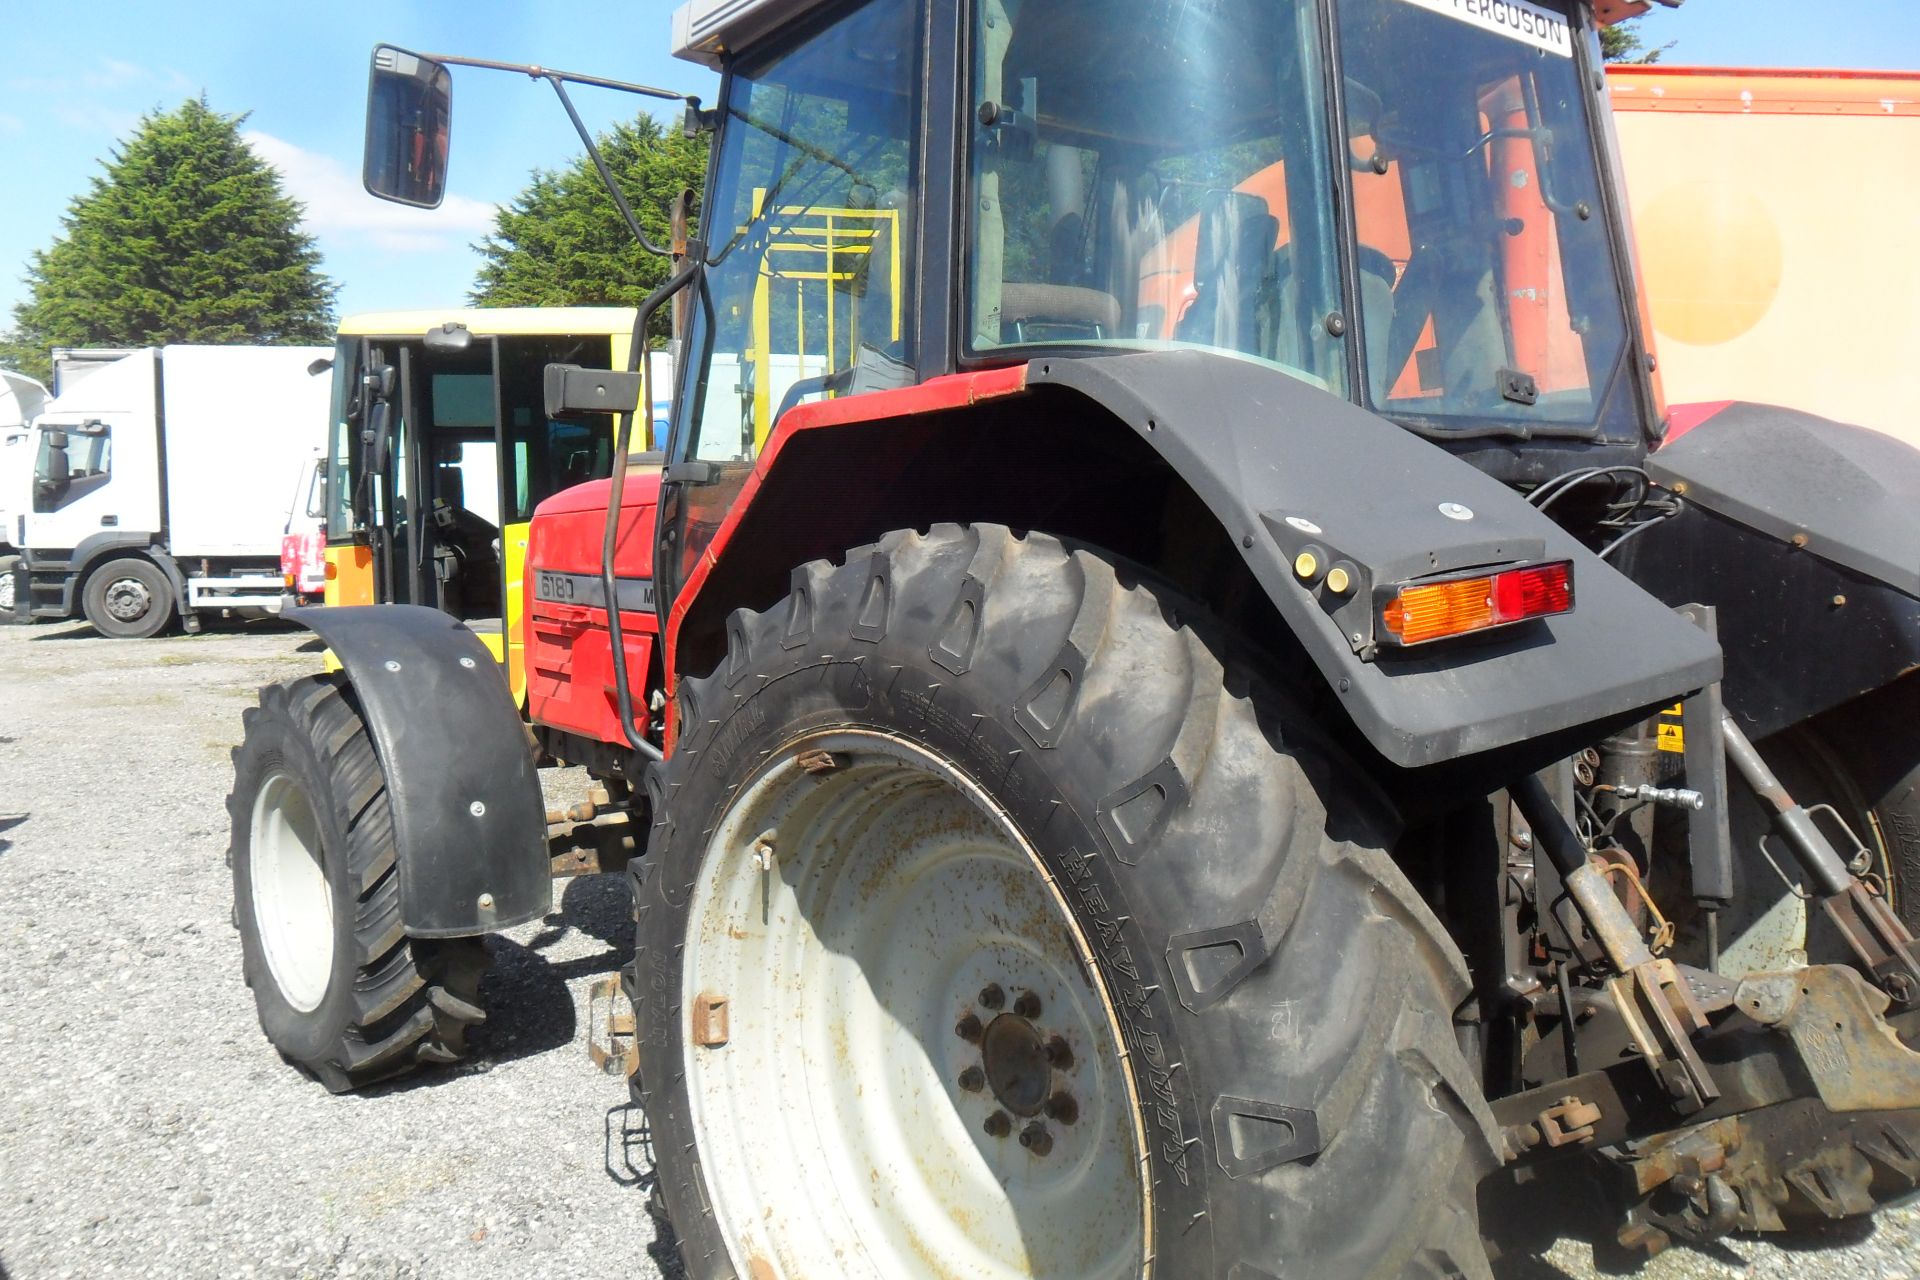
(342, 992)
(995, 928)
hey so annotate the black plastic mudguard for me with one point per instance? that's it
(1287, 466)
(1804, 534)
(468, 816)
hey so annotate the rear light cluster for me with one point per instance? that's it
(1421, 612)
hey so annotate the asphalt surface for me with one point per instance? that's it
(146, 1128)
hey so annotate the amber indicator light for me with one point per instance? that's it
(1434, 611)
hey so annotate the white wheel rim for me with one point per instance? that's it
(128, 599)
(6, 590)
(835, 1134)
(292, 903)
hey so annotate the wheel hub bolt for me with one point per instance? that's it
(1062, 1107)
(973, 1079)
(1027, 1006)
(991, 996)
(998, 1125)
(968, 1028)
(1059, 1054)
(1036, 1139)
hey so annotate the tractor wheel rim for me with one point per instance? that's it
(292, 902)
(898, 1061)
(128, 599)
(6, 591)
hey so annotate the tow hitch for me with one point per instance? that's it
(610, 1028)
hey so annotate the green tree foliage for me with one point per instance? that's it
(562, 243)
(186, 237)
(1621, 43)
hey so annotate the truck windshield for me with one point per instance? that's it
(1161, 174)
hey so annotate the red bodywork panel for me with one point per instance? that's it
(1682, 418)
(932, 396)
(570, 683)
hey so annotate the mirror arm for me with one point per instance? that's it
(682, 276)
(557, 80)
(549, 74)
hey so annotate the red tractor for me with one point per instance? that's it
(1165, 710)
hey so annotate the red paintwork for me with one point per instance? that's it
(303, 562)
(569, 661)
(570, 681)
(1682, 418)
(955, 391)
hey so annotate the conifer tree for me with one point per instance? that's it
(187, 236)
(562, 243)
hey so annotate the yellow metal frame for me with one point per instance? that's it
(828, 246)
(350, 568)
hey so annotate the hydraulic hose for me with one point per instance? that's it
(636, 362)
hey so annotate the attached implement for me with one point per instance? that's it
(1170, 712)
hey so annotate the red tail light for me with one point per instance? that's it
(1420, 612)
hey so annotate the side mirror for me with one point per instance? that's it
(409, 116)
(320, 366)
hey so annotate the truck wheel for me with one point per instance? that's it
(6, 589)
(342, 992)
(128, 599)
(994, 928)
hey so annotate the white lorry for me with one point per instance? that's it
(160, 480)
(21, 399)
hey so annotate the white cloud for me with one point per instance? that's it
(109, 75)
(338, 208)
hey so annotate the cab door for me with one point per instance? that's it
(811, 227)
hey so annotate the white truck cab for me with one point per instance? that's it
(159, 483)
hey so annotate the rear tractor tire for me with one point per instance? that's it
(994, 927)
(342, 992)
(128, 599)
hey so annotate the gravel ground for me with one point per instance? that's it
(147, 1128)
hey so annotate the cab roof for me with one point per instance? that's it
(492, 321)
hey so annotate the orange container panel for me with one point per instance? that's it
(1775, 217)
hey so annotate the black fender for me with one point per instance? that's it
(1805, 535)
(1285, 465)
(469, 819)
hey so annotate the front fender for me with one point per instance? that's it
(1275, 458)
(469, 820)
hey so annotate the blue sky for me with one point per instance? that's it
(78, 75)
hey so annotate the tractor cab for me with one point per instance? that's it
(440, 449)
(1396, 201)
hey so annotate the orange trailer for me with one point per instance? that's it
(1775, 212)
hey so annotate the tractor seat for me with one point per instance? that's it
(1057, 312)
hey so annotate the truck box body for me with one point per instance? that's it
(181, 456)
(238, 424)
(1774, 212)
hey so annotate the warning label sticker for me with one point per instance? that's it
(1516, 19)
